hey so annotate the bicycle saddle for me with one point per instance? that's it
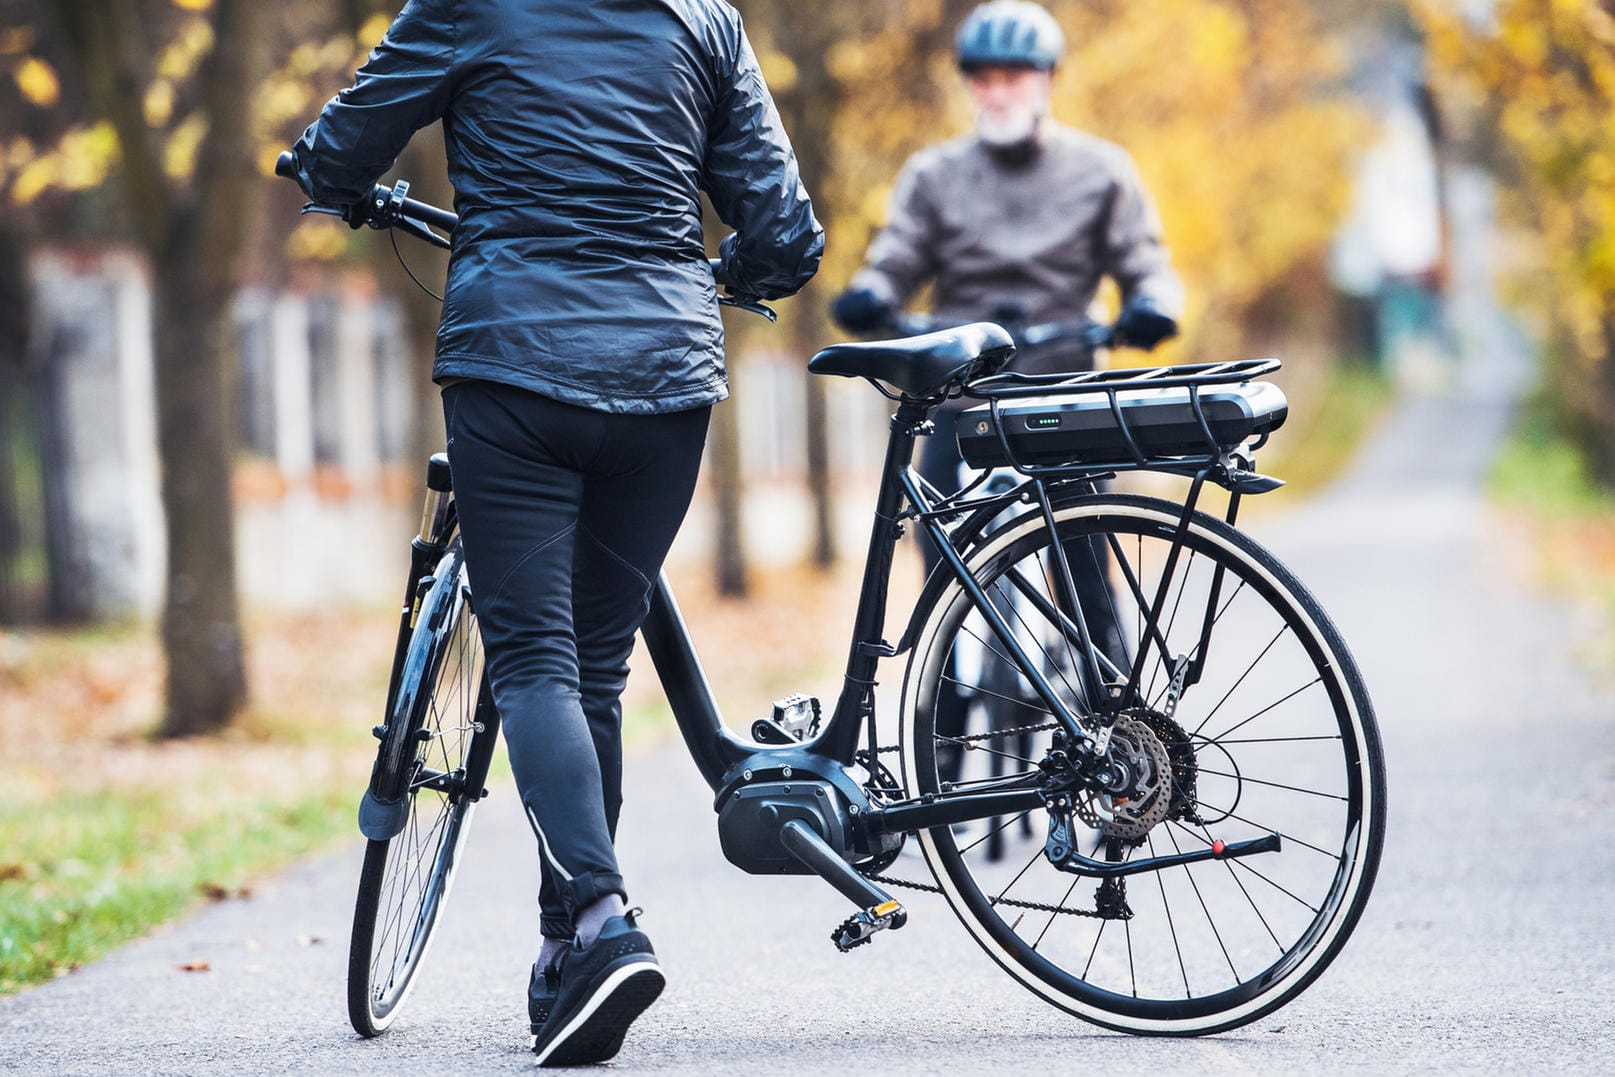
(923, 365)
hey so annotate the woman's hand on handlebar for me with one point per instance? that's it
(386, 207)
(740, 301)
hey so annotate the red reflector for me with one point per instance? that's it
(1217, 847)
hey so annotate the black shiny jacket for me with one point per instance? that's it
(580, 133)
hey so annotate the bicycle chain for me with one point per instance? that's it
(1035, 906)
(1044, 728)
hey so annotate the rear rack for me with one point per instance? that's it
(1012, 383)
(997, 389)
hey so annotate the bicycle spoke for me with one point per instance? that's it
(1232, 875)
(1065, 638)
(1288, 838)
(1171, 926)
(1258, 714)
(1194, 652)
(1274, 785)
(1172, 621)
(1254, 663)
(1053, 915)
(1017, 877)
(996, 695)
(1203, 908)
(995, 830)
(1266, 740)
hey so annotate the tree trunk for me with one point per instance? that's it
(724, 457)
(201, 623)
(193, 232)
(15, 305)
(809, 110)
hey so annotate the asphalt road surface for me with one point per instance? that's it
(1488, 946)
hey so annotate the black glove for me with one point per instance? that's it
(1143, 325)
(859, 310)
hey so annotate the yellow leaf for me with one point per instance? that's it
(87, 156)
(159, 103)
(193, 5)
(179, 59)
(36, 177)
(179, 156)
(38, 82)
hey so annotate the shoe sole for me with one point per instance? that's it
(595, 1033)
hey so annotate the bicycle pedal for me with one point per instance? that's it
(862, 925)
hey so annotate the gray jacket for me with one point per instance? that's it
(1037, 236)
(580, 136)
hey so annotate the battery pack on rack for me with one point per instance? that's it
(1084, 428)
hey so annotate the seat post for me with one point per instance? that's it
(911, 421)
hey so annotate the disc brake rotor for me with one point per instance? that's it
(1131, 817)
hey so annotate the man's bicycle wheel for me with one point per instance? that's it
(1255, 722)
(428, 777)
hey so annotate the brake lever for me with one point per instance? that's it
(315, 207)
(422, 232)
(753, 306)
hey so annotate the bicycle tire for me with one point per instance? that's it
(1227, 775)
(442, 724)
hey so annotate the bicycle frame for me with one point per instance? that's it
(727, 762)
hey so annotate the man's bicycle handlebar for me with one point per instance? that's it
(392, 208)
(1077, 334)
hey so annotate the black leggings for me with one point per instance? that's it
(566, 514)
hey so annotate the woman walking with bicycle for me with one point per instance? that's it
(580, 352)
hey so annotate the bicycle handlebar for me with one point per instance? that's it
(386, 207)
(1081, 332)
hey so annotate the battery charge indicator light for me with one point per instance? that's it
(1042, 422)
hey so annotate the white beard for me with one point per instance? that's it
(1016, 127)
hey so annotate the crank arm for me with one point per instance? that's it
(1077, 864)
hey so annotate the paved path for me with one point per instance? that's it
(1489, 944)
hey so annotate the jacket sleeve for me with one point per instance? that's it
(750, 174)
(404, 85)
(903, 255)
(1134, 252)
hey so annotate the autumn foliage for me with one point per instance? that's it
(1536, 83)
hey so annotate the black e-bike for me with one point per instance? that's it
(1186, 834)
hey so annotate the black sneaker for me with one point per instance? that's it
(604, 987)
(541, 992)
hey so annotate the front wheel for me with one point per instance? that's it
(1250, 719)
(434, 755)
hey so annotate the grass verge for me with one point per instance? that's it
(105, 833)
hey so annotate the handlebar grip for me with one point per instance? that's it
(429, 214)
(286, 165)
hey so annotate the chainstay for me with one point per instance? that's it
(1035, 906)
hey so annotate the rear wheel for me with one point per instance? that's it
(434, 756)
(1275, 736)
